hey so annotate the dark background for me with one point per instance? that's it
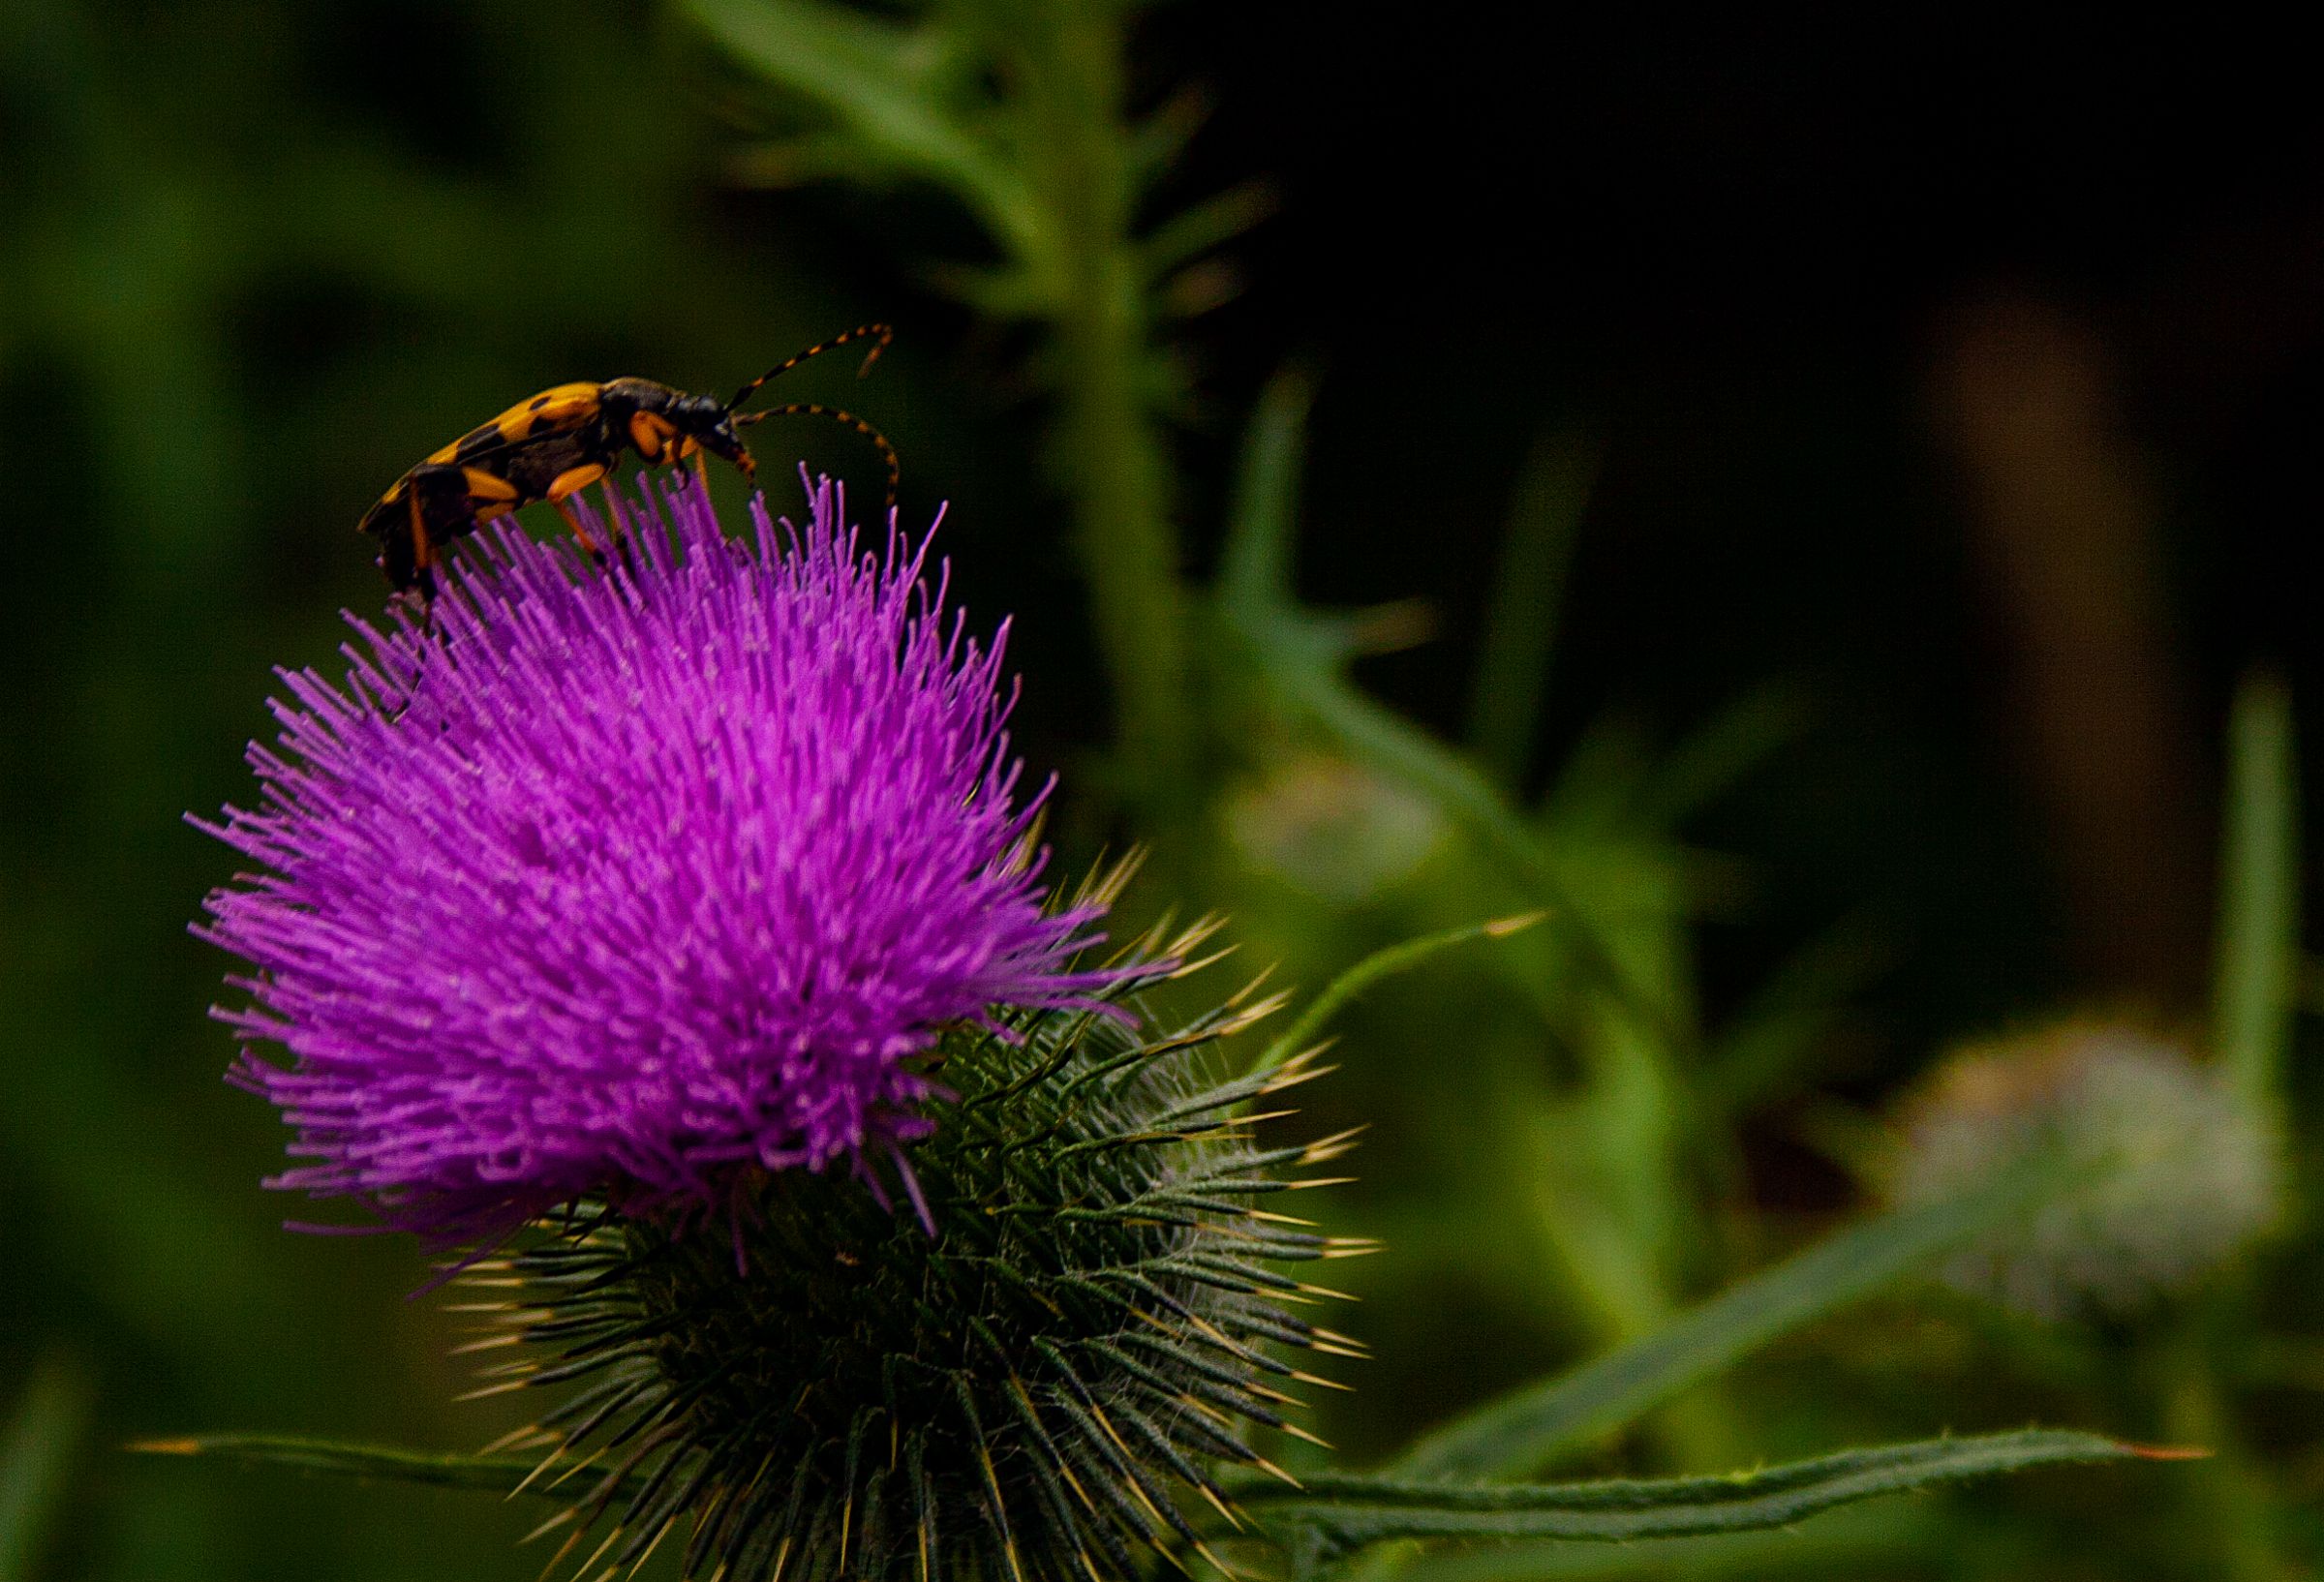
(1770, 264)
(1960, 374)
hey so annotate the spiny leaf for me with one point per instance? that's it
(343, 1458)
(1876, 1538)
(1349, 1512)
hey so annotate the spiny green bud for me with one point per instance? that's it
(2179, 1176)
(1028, 1375)
(1328, 826)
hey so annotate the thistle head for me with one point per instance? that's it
(2179, 1174)
(611, 905)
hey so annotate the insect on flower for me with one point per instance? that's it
(552, 445)
(706, 857)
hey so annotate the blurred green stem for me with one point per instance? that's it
(1111, 452)
(1128, 551)
(2227, 1515)
(38, 1442)
(2255, 985)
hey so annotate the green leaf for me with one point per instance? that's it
(1158, 141)
(886, 87)
(35, 1449)
(1349, 1512)
(1201, 226)
(1520, 624)
(1524, 1429)
(1300, 657)
(2257, 982)
(1254, 581)
(502, 1474)
(1795, 1009)
(1385, 962)
(1877, 1540)
(1720, 752)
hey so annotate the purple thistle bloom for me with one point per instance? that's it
(633, 884)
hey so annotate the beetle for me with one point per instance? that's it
(552, 445)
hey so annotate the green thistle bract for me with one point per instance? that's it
(1020, 1381)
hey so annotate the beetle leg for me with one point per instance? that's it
(430, 503)
(441, 509)
(617, 521)
(572, 520)
(621, 526)
(422, 562)
(571, 481)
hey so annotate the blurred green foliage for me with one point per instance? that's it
(259, 257)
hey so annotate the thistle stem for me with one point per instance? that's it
(1109, 452)
(1120, 479)
(2226, 1504)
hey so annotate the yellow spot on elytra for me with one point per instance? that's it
(559, 407)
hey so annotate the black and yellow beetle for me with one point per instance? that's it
(558, 443)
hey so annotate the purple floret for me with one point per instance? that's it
(633, 884)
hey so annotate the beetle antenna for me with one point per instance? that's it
(878, 334)
(810, 408)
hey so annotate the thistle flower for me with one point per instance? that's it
(1030, 1389)
(2182, 1175)
(634, 884)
